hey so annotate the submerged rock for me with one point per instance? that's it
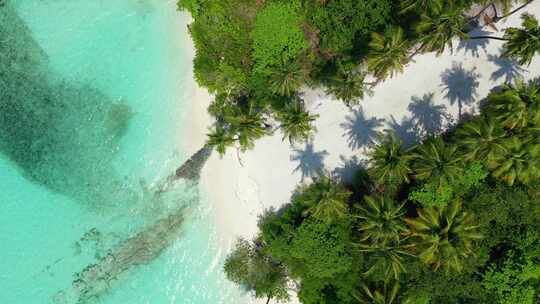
(60, 135)
(189, 170)
(96, 279)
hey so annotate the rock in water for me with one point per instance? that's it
(189, 170)
(96, 279)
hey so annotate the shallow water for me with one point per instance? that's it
(89, 122)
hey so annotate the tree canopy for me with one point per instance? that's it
(454, 219)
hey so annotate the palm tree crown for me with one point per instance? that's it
(385, 294)
(444, 236)
(388, 53)
(426, 5)
(381, 220)
(389, 162)
(248, 123)
(386, 260)
(523, 42)
(328, 200)
(517, 106)
(520, 162)
(220, 138)
(348, 86)
(286, 79)
(296, 122)
(437, 161)
(438, 28)
(481, 139)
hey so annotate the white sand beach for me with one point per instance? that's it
(241, 186)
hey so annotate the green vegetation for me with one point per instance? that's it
(454, 219)
(277, 36)
(256, 56)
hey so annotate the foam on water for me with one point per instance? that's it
(88, 121)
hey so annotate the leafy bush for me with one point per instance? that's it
(341, 23)
(277, 35)
(438, 195)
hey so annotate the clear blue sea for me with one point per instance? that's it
(89, 122)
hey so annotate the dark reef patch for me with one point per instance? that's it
(61, 135)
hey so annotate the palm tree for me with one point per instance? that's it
(444, 236)
(286, 79)
(424, 5)
(517, 106)
(389, 162)
(521, 162)
(386, 259)
(481, 139)
(328, 200)
(220, 138)
(377, 294)
(437, 29)
(388, 53)
(381, 220)
(348, 86)
(507, 5)
(523, 42)
(438, 161)
(248, 123)
(296, 122)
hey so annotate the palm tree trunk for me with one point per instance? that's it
(513, 11)
(482, 11)
(416, 51)
(268, 300)
(489, 37)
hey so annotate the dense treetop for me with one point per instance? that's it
(255, 56)
(453, 219)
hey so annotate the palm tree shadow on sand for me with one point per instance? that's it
(360, 130)
(509, 69)
(460, 85)
(311, 162)
(406, 129)
(348, 168)
(428, 117)
(474, 46)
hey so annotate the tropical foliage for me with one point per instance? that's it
(268, 51)
(453, 219)
(437, 161)
(327, 200)
(389, 161)
(523, 43)
(296, 122)
(440, 25)
(382, 220)
(388, 53)
(445, 236)
(458, 225)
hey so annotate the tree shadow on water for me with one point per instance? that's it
(360, 130)
(427, 116)
(460, 85)
(509, 69)
(311, 162)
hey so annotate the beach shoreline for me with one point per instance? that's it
(241, 186)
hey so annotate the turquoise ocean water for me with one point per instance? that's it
(89, 122)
